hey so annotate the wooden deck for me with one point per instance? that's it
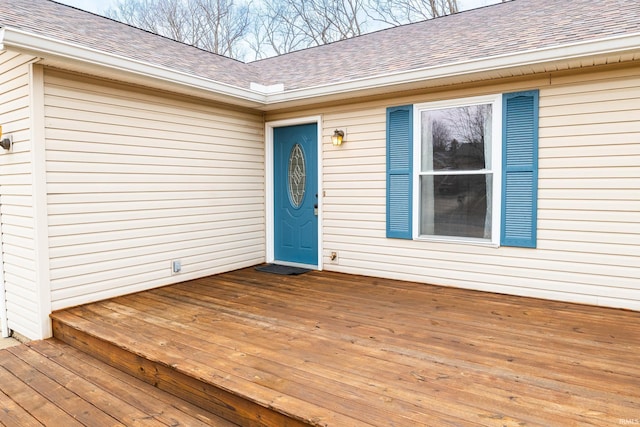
(332, 349)
(48, 383)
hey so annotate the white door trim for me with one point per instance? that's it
(269, 190)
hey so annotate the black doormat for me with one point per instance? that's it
(282, 269)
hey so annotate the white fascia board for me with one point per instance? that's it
(612, 45)
(270, 96)
(44, 47)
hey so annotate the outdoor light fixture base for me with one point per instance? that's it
(7, 142)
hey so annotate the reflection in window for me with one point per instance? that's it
(456, 177)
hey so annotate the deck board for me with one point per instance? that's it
(308, 381)
(50, 383)
(335, 349)
(31, 390)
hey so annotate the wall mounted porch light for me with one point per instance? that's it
(338, 137)
(7, 141)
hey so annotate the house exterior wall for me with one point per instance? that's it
(137, 179)
(589, 196)
(17, 208)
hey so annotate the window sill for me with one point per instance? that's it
(458, 241)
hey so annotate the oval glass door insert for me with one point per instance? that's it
(297, 175)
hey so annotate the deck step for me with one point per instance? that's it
(51, 383)
(330, 349)
(156, 366)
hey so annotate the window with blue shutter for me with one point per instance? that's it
(518, 201)
(519, 169)
(399, 171)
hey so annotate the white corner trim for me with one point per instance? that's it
(45, 46)
(39, 190)
(4, 321)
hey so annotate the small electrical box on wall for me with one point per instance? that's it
(176, 266)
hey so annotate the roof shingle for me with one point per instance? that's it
(68, 24)
(506, 28)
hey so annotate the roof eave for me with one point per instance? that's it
(53, 50)
(87, 59)
(432, 76)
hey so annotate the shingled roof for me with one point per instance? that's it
(489, 32)
(505, 28)
(71, 25)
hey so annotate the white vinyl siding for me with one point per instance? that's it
(589, 199)
(136, 179)
(16, 198)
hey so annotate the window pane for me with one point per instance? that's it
(456, 205)
(457, 138)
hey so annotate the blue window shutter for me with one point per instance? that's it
(399, 171)
(519, 169)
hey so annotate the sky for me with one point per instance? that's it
(99, 6)
(95, 6)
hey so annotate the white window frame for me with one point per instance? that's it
(496, 161)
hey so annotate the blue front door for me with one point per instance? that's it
(296, 194)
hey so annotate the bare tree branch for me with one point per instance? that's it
(400, 12)
(287, 25)
(218, 26)
(270, 27)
